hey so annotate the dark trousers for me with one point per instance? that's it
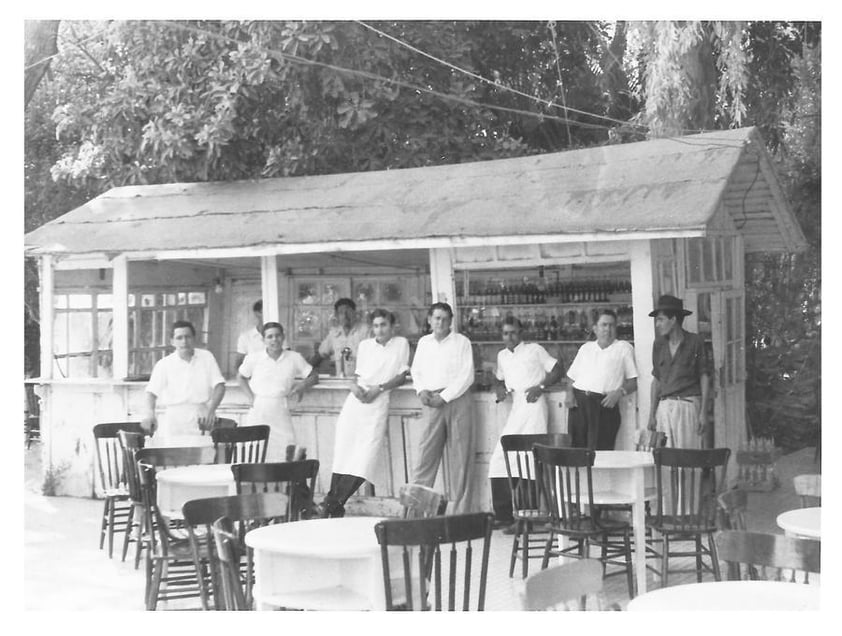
(591, 424)
(342, 486)
(501, 496)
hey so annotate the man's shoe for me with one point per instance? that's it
(501, 523)
(510, 529)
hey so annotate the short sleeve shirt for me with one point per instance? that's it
(250, 341)
(679, 375)
(525, 366)
(602, 370)
(337, 339)
(176, 381)
(377, 363)
(274, 378)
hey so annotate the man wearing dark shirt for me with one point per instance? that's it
(680, 378)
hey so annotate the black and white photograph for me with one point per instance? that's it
(374, 311)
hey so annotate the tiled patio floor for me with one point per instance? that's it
(64, 569)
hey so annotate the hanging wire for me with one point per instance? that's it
(551, 28)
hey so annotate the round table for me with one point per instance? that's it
(179, 485)
(802, 522)
(318, 564)
(729, 596)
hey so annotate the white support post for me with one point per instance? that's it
(442, 283)
(120, 316)
(642, 271)
(47, 284)
(269, 287)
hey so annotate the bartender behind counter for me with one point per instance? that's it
(342, 341)
(268, 377)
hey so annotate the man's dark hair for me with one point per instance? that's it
(183, 324)
(669, 313)
(513, 322)
(383, 313)
(344, 301)
(271, 325)
(257, 307)
(607, 312)
(444, 307)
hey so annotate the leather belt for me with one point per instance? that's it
(590, 393)
(683, 398)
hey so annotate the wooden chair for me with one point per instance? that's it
(560, 585)
(245, 444)
(296, 480)
(250, 511)
(31, 416)
(176, 456)
(225, 542)
(780, 552)
(565, 485)
(112, 479)
(171, 570)
(130, 444)
(531, 529)
(809, 488)
(421, 540)
(687, 481)
(421, 502)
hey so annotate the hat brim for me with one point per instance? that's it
(683, 312)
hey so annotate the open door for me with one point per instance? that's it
(728, 338)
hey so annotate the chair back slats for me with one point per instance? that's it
(786, 556)
(421, 540)
(520, 468)
(566, 484)
(244, 444)
(687, 495)
(296, 480)
(176, 456)
(559, 585)
(109, 454)
(420, 501)
(233, 596)
(809, 489)
(131, 444)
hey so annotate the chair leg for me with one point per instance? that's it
(525, 559)
(155, 586)
(128, 531)
(699, 564)
(714, 557)
(547, 548)
(665, 561)
(629, 566)
(144, 524)
(111, 509)
(104, 523)
(514, 549)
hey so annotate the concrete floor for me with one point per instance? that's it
(65, 570)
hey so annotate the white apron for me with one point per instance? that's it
(360, 431)
(524, 418)
(179, 420)
(273, 411)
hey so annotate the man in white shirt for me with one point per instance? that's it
(382, 365)
(602, 372)
(187, 383)
(342, 341)
(524, 369)
(251, 340)
(442, 373)
(268, 378)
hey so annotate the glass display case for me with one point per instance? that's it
(557, 306)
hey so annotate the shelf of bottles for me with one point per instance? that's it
(555, 310)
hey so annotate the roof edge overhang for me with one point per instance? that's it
(92, 260)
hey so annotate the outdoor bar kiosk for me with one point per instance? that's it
(548, 238)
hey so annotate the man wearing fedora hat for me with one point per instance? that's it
(680, 377)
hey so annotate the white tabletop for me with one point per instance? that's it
(339, 538)
(623, 459)
(729, 595)
(201, 475)
(804, 522)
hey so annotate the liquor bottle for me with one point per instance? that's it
(553, 328)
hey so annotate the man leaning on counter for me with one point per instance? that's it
(342, 341)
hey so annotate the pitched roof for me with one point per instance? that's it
(661, 186)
